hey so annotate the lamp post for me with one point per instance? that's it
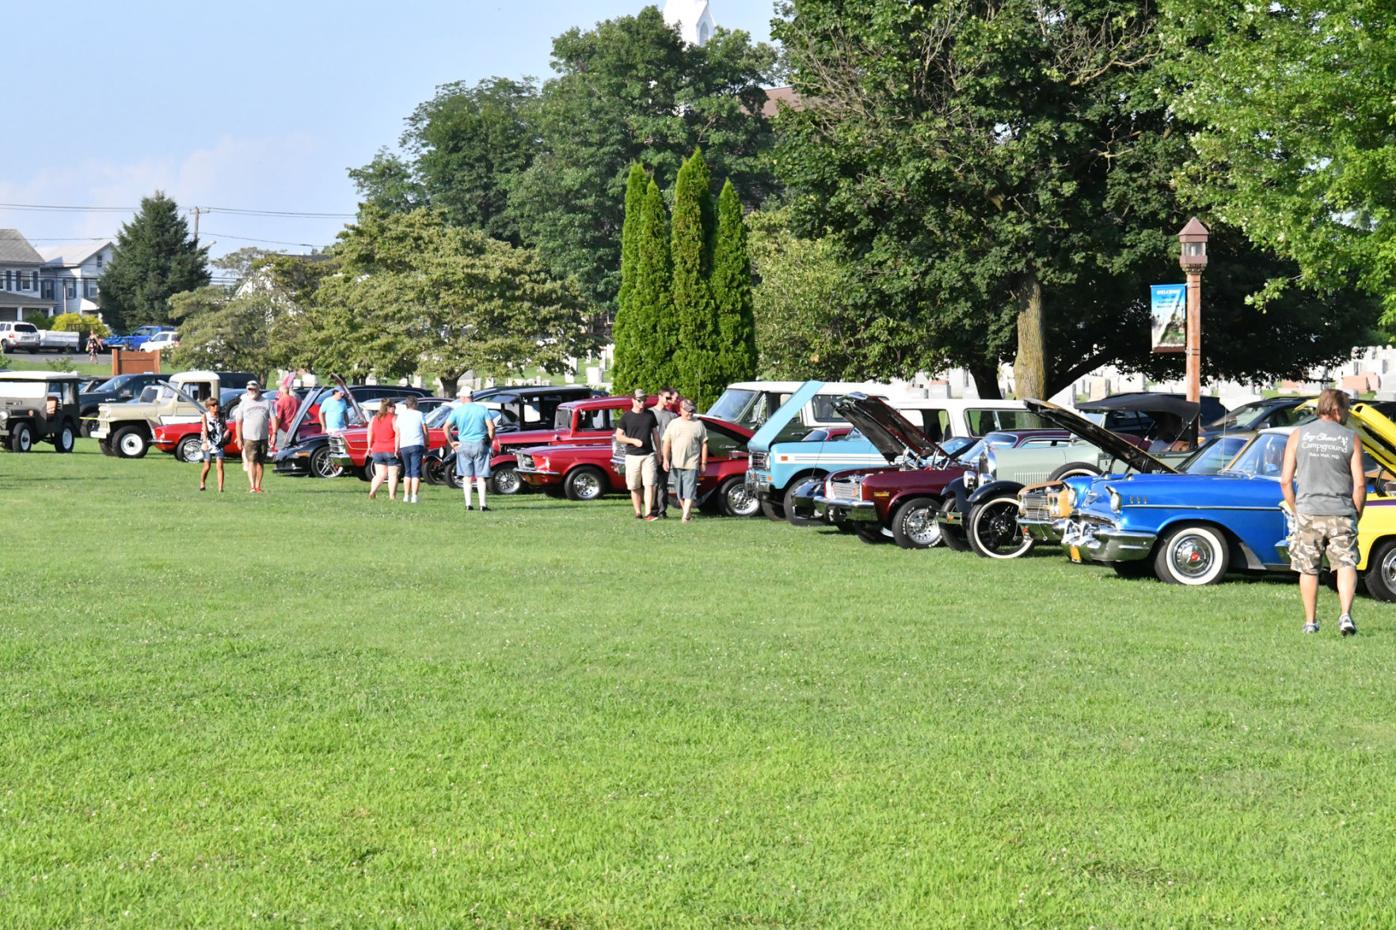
(1193, 258)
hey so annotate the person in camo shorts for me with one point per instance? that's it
(1325, 458)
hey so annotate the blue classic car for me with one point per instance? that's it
(1191, 529)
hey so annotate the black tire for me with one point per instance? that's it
(506, 480)
(772, 511)
(788, 505)
(993, 529)
(870, 533)
(66, 438)
(584, 484)
(955, 538)
(365, 473)
(87, 423)
(914, 525)
(433, 470)
(1072, 470)
(323, 465)
(734, 500)
(130, 442)
(190, 449)
(21, 437)
(1192, 555)
(1380, 577)
(105, 446)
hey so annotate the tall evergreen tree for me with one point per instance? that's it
(645, 344)
(732, 293)
(155, 258)
(697, 361)
(626, 347)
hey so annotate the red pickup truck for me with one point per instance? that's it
(590, 422)
(586, 472)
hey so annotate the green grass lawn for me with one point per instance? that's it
(312, 709)
(46, 362)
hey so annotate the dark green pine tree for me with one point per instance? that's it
(155, 258)
(651, 333)
(622, 333)
(732, 292)
(699, 370)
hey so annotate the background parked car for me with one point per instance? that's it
(38, 406)
(19, 337)
(117, 390)
(1261, 414)
(161, 341)
(136, 338)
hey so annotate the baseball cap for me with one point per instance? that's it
(640, 394)
(465, 392)
(688, 405)
(254, 385)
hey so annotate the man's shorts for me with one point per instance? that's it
(412, 461)
(640, 471)
(473, 458)
(254, 451)
(1313, 534)
(685, 483)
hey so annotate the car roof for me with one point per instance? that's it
(42, 376)
(196, 375)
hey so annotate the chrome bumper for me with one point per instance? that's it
(1047, 531)
(838, 509)
(758, 485)
(1104, 543)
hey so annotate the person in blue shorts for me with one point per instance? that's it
(473, 427)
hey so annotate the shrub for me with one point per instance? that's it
(78, 323)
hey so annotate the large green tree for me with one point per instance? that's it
(695, 311)
(1295, 129)
(631, 91)
(460, 152)
(155, 258)
(411, 292)
(999, 178)
(647, 337)
(221, 329)
(626, 345)
(732, 293)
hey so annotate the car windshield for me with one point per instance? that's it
(111, 384)
(438, 416)
(1248, 416)
(1263, 458)
(1213, 456)
(734, 405)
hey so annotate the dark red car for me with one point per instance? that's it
(577, 423)
(586, 472)
(899, 500)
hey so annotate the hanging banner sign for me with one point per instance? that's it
(1168, 305)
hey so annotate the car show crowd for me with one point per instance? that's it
(1143, 482)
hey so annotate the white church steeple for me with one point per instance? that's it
(694, 19)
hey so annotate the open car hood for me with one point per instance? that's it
(1100, 437)
(1378, 434)
(893, 434)
(766, 435)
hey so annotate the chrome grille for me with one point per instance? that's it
(760, 460)
(337, 446)
(1037, 505)
(845, 489)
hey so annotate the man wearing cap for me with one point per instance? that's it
(636, 433)
(256, 421)
(334, 412)
(474, 428)
(686, 455)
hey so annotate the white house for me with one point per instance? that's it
(694, 19)
(21, 272)
(70, 275)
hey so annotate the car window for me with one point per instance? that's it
(1264, 457)
(983, 421)
(1212, 457)
(592, 420)
(822, 406)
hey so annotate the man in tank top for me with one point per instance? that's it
(1324, 458)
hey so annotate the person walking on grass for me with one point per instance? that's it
(213, 436)
(1324, 457)
(473, 425)
(287, 405)
(636, 433)
(685, 455)
(382, 449)
(256, 422)
(334, 412)
(665, 411)
(411, 446)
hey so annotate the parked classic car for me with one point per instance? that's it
(116, 390)
(1261, 414)
(1192, 529)
(586, 472)
(781, 459)
(38, 406)
(126, 430)
(981, 512)
(592, 421)
(303, 448)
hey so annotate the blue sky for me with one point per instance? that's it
(258, 105)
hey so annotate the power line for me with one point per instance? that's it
(240, 211)
(210, 234)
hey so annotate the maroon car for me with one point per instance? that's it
(586, 472)
(901, 500)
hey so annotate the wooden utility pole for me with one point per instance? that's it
(196, 224)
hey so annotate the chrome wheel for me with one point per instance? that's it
(1193, 555)
(737, 501)
(1381, 571)
(323, 465)
(190, 449)
(507, 481)
(584, 485)
(915, 526)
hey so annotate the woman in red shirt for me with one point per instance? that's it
(382, 449)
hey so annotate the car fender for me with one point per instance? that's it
(956, 491)
(1241, 551)
(986, 491)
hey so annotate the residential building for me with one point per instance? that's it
(64, 280)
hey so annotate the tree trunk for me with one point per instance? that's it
(986, 379)
(448, 384)
(1030, 365)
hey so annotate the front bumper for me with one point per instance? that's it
(100, 431)
(538, 478)
(1102, 542)
(1044, 531)
(758, 484)
(837, 509)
